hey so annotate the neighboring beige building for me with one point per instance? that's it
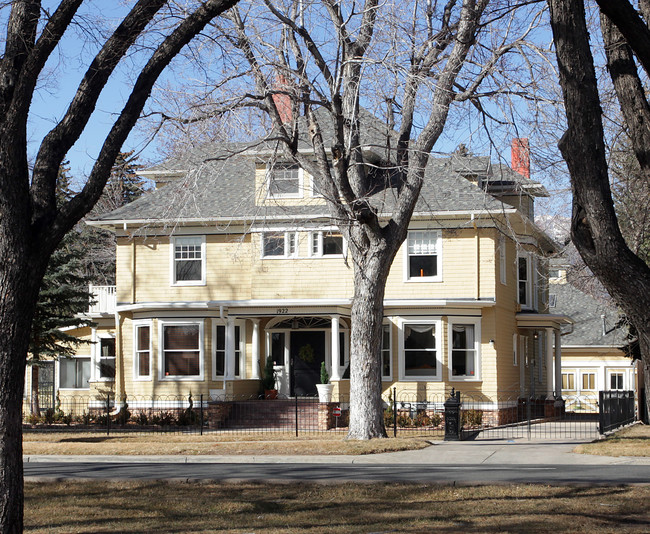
(234, 257)
(592, 355)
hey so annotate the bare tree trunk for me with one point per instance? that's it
(367, 314)
(594, 225)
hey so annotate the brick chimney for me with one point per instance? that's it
(283, 100)
(520, 156)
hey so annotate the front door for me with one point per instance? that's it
(307, 354)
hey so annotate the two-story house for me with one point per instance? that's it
(235, 257)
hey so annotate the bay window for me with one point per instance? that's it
(420, 350)
(181, 350)
(142, 350)
(74, 373)
(464, 349)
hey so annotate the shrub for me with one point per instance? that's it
(436, 419)
(163, 419)
(422, 419)
(389, 418)
(142, 419)
(404, 420)
(471, 418)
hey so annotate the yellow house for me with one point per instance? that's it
(235, 258)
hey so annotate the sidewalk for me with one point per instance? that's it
(518, 452)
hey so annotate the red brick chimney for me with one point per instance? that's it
(520, 156)
(283, 100)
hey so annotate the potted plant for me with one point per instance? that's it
(324, 388)
(269, 374)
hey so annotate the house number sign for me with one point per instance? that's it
(282, 311)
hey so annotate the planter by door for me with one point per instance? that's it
(324, 392)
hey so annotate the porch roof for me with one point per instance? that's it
(538, 321)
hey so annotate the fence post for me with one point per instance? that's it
(201, 418)
(529, 402)
(296, 404)
(394, 412)
(108, 414)
(452, 416)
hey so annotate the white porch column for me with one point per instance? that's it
(230, 349)
(335, 351)
(255, 373)
(558, 365)
(549, 364)
(94, 354)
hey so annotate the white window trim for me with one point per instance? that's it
(287, 242)
(424, 279)
(88, 357)
(317, 235)
(502, 260)
(575, 380)
(476, 322)
(529, 281)
(301, 180)
(611, 372)
(172, 265)
(437, 322)
(241, 323)
(96, 359)
(389, 376)
(584, 372)
(137, 377)
(161, 351)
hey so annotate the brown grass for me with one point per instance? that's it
(632, 441)
(73, 507)
(219, 444)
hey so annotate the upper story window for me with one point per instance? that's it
(326, 244)
(423, 256)
(188, 260)
(285, 181)
(279, 244)
(524, 281)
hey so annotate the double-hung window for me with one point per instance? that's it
(188, 260)
(569, 381)
(182, 350)
(386, 360)
(142, 350)
(326, 244)
(464, 349)
(423, 256)
(420, 350)
(285, 181)
(616, 380)
(106, 360)
(220, 334)
(524, 281)
(588, 381)
(74, 373)
(279, 244)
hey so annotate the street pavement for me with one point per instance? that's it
(480, 461)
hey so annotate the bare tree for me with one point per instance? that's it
(31, 222)
(312, 68)
(595, 227)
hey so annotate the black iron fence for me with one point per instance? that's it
(506, 415)
(616, 410)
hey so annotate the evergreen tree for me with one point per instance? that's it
(64, 294)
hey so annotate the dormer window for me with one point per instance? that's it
(285, 181)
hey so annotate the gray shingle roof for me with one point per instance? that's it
(218, 181)
(586, 312)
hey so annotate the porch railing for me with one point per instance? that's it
(104, 299)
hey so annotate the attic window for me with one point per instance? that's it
(552, 301)
(285, 180)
